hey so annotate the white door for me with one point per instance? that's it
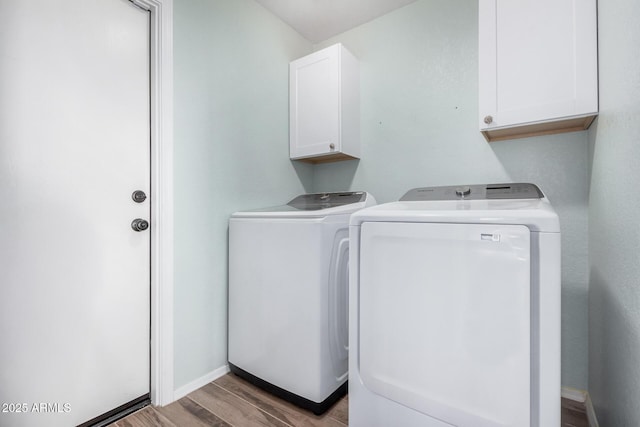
(444, 320)
(74, 146)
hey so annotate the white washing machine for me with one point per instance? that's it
(455, 309)
(288, 297)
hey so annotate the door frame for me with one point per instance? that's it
(161, 75)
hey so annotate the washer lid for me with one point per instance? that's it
(314, 205)
(317, 201)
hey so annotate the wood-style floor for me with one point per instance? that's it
(574, 414)
(231, 401)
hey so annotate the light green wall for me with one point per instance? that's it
(231, 153)
(419, 126)
(614, 217)
(419, 98)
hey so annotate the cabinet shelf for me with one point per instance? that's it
(551, 127)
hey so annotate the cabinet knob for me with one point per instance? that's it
(488, 120)
(332, 146)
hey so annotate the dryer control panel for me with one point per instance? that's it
(475, 192)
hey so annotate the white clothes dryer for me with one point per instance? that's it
(455, 309)
(288, 297)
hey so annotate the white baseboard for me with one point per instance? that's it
(574, 394)
(591, 413)
(582, 397)
(200, 382)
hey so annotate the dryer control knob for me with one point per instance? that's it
(463, 191)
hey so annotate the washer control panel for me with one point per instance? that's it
(475, 192)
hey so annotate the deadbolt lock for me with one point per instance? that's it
(138, 196)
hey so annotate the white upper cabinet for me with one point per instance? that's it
(324, 106)
(538, 67)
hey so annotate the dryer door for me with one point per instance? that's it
(444, 320)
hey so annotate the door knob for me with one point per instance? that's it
(139, 224)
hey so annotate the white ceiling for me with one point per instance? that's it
(318, 20)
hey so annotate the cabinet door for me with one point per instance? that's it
(315, 103)
(538, 61)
